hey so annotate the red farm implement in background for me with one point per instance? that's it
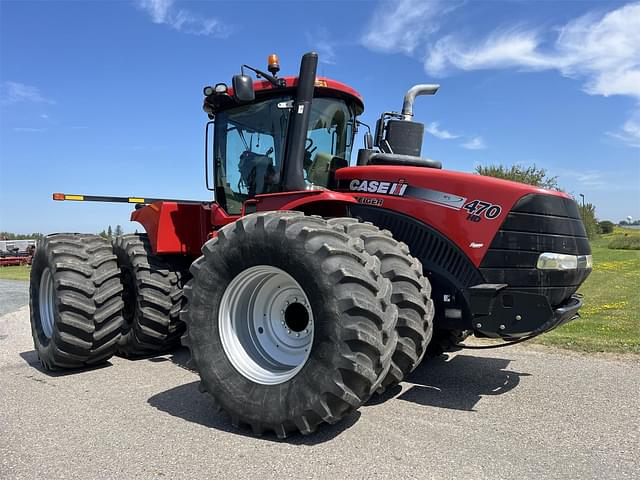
(14, 261)
(16, 252)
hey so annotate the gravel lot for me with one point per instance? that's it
(511, 413)
(13, 295)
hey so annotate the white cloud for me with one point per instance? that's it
(157, 9)
(473, 143)
(44, 116)
(630, 131)
(403, 26)
(165, 12)
(476, 143)
(601, 50)
(14, 92)
(434, 129)
(604, 50)
(319, 40)
(502, 49)
(29, 130)
(592, 178)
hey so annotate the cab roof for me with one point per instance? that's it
(263, 88)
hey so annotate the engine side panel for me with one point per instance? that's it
(449, 270)
(467, 209)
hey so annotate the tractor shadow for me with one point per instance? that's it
(179, 357)
(186, 402)
(456, 382)
(31, 358)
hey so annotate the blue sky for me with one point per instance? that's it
(105, 97)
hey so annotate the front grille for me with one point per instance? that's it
(536, 224)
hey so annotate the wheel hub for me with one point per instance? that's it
(266, 325)
(46, 303)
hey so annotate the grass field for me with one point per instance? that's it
(15, 273)
(611, 314)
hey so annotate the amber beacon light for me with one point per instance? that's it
(274, 64)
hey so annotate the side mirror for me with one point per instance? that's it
(243, 88)
(377, 138)
(368, 141)
(210, 180)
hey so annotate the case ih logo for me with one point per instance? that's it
(374, 186)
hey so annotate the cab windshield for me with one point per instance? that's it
(250, 141)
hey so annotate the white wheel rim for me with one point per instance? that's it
(266, 325)
(46, 302)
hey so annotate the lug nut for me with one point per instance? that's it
(518, 317)
(502, 327)
(478, 325)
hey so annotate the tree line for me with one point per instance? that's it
(110, 233)
(20, 236)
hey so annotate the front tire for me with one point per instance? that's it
(75, 301)
(258, 264)
(411, 294)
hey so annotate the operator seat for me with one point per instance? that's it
(322, 170)
(256, 172)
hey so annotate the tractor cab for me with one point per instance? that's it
(252, 136)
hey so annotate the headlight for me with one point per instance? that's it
(561, 261)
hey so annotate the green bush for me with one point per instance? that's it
(606, 226)
(625, 242)
(532, 175)
(588, 215)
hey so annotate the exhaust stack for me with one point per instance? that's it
(299, 124)
(410, 97)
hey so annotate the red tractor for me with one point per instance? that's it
(308, 285)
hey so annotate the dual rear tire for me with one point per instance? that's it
(90, 299)
(75, 300)
(152, 294)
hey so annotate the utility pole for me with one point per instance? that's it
(582, 196)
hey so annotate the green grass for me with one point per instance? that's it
(625, 241)
(611, 313)
(15, 273)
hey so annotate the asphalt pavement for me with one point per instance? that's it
(514, 413)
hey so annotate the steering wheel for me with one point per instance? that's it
(308, 145)
(308, 152)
